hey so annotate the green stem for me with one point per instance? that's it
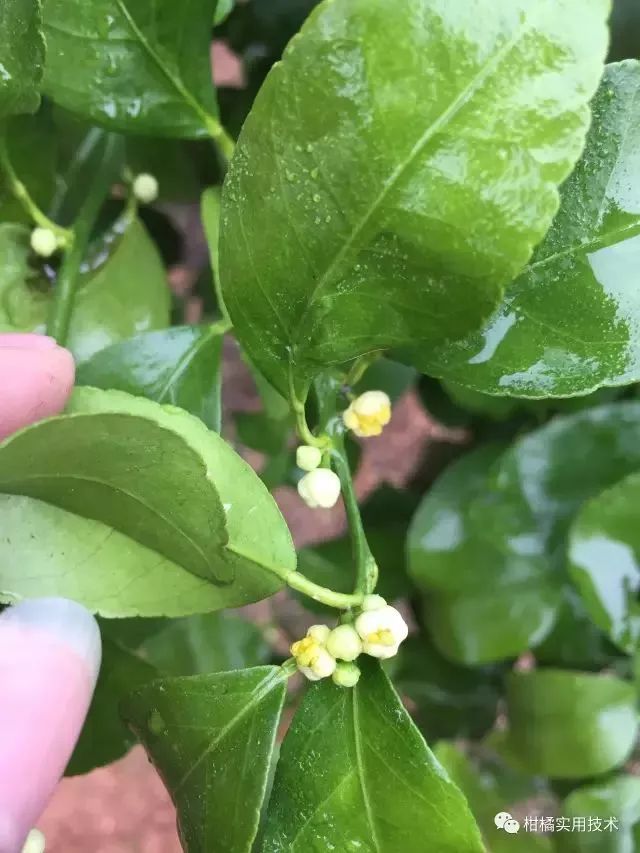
(339, 600)
(67, 281)
(366, 566)
(21, 193)
(225, 143)
(298, 407)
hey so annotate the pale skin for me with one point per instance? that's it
(49, 648)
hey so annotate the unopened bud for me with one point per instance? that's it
(346, 675)
(145, 188)
(308, 458)
(344, 643)
(43, 242)
(320, 488)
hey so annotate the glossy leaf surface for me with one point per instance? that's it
(354, 774)
(145, 65)
(569, 323)
(456, 557)
(400, 219)
(616, 799)
(505, 521)
(570, 725)
(211, 737)
(180, 365)
(122, 577)
(22, 50)
(604, 557)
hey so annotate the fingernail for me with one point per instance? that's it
(27, 341)
(49, 659)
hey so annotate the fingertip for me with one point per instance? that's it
(61, 620)
(36, 379)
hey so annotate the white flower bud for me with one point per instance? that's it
(381, 631)
(319, 633)
(43, 242)
(368, 413)
(308, 458)
(145, 188)
(35, 842)
(344, 643)
(320, 488)
(373, 602)
(346, 675)
(312, 658)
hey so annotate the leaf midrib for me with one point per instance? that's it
(177, 83)
(441, 121)
(58, 477)
(183, 363)
(357, 740)
(260, 692)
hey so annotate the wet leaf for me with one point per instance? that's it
(504, 521)
(569, 323)
(180, 366)
(22, 50)
(604, 557)
(145, 65)
(355, 774)
(211, 737)
(459, 185)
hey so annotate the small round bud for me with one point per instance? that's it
(320, 488)
(145, 188)
(35, 842)
(381, 631)
(344, 643)
(346, 675)
(368, 413)
(308, 458)
(43, 242)
(373, 602)
(319, 633)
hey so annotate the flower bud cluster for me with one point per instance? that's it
(378, 631)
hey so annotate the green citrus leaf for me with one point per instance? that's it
(569, 323)
(212, 642)
(355, 775)
(604, 558)
(400, 219)
(22, 49)
(145, 64)
(180, 365)
(617, 799)
(503, 520)
(216, 517)
(570, 725)
(211, 737)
